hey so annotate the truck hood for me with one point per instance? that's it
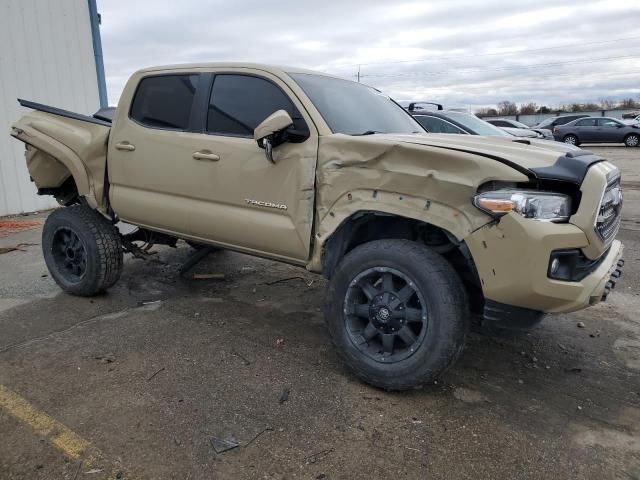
(535, 158)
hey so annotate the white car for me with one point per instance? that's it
(520, 129)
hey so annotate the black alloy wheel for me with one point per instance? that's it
(385, 315)
(69, 254)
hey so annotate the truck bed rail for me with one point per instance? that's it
(63, 113)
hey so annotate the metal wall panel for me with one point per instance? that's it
(46, 55)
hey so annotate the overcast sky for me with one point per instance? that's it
(461, 53)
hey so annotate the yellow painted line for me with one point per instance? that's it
(47, 427)
(67, 441)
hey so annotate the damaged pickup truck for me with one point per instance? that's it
(420, 235)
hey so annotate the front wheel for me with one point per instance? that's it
(571, 140)
(632, 140)
(82, 250)
(397, 313)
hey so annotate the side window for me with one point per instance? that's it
(607, 122)
(501, 123)
(589, 122)
(437, 125)
(239, 103)
(164, 101)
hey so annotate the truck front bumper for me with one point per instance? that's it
(512, 259)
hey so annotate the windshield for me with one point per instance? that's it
(355, 109)
(546, 123)
(480, 127)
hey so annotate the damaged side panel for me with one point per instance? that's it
(422, 182)
(59, 147)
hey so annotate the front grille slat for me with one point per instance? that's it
(609, 217)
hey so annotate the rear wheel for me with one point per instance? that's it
(397, 313)
(571, 139)
(632, 140)
(82, 250)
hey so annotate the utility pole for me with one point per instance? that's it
(358, 75)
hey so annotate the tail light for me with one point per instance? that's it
(555, 129)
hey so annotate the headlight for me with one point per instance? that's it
(546, 206)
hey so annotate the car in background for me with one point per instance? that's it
(450, 121)
(549, 123)
(598, 130)
(509, 125)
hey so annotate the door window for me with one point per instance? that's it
(589, 122)
(607, 122)
(437, 125)
(164, 101)
(239, 103)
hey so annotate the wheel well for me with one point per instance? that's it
(365, 227)
(66, 194)
(631, 133)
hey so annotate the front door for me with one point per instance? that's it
(609, 130)
(238, 197)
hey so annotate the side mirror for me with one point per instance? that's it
(269, 133)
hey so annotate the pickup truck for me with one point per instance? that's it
(421, 236)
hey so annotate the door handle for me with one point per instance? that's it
(125, 146)
(206, 155)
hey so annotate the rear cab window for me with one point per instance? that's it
(165, 101)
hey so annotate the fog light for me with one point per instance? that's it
(555, 265)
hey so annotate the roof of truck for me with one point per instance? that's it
(277, 69)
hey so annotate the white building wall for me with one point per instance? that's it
(46, 55)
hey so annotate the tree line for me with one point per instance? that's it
(507, 107)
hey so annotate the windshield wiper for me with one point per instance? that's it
(368, 132)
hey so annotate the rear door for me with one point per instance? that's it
(150, 151)
(586, 130)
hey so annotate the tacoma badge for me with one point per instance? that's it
(260, 203)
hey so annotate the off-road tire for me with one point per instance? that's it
(632, 140)
(448, 318)
(98, 239)
(567, 139)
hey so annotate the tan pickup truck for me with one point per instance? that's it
(420, 235)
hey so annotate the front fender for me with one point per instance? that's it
(432, 212)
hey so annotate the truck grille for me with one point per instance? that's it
(608, 219)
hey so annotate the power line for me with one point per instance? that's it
(555, 47)
(481, 69)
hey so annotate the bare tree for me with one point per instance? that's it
(528, 108)
(486, 112)
(507, 108)
(607, 104)
(629, 103)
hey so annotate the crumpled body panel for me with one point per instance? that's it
(59, 147)
(377, 173)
